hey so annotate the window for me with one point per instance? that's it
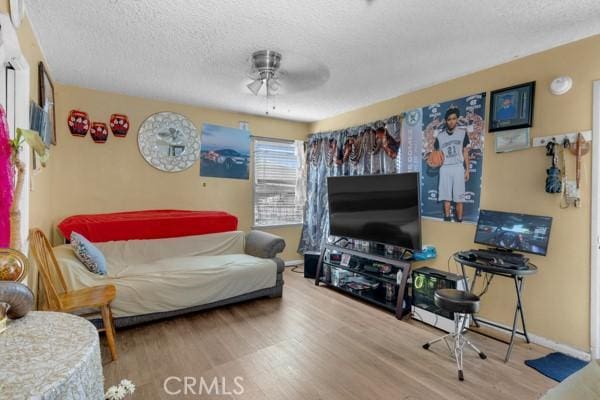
(277, 172)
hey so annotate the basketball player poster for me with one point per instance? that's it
(452, 159)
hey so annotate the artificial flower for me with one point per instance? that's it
(128, 386)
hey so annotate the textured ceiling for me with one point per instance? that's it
(196, 52)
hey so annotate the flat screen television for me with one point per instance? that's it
(376, 208)
(511, 231)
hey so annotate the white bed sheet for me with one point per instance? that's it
(170, 274)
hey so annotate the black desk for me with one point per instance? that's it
(517, 275)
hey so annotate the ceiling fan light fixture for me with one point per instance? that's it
(255, 86)
(273, 86)
(265, 64)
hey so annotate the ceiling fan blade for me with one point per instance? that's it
(299, 73)
(303, 80)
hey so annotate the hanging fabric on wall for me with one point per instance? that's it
(6, 181)
(368, 149)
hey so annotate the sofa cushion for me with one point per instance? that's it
(88, 254)
(123, 253)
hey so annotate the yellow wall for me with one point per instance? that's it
(94, 178)
(40, 199)
(557, 298)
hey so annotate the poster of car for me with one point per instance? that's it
(452, 159)
(224, 152)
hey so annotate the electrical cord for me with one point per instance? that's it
(335, 243)
(295, 269)
(456, 268)
(488, 279)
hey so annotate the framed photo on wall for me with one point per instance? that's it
(513, 140)
(46, 92)
(512, 107)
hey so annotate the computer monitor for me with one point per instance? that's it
(512, 231)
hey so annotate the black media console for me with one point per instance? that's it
(375, 277)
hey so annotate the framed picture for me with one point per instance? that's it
(46, 89)
(224, 152)
(512, 107)
(513, 140)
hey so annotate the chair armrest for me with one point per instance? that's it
(264, 245)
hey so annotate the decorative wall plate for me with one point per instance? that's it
(119, 125)
(79, 123)
(169, 141)
(99, 132)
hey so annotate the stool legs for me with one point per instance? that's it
(459, 342)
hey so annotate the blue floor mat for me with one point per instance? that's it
(557, 366)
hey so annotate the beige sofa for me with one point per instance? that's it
(165, 277)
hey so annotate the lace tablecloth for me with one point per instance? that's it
(49, 355)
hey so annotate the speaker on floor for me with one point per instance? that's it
(311, 259)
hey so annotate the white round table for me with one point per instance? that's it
(50, 355)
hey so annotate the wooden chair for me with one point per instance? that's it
(59, 298)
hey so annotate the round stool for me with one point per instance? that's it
(461, 304)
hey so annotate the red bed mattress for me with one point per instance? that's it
(149, 224)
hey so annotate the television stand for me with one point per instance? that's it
(372, 277)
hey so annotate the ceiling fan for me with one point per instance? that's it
(299, 73)
(265, 71)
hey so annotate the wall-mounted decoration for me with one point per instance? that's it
(119, 125)
(517, 139)
(46, 90)
(79, 123)
(451, 189)
(512, 107)
(169, 141)
(39, 122)
(554, 178)
(99, 132)
(225, 152)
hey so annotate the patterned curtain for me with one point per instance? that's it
(369, 149)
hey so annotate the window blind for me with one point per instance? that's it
(276, 169)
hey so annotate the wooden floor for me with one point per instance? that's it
(314, 343)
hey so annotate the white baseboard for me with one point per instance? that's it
(294, 263)
(545, 342)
